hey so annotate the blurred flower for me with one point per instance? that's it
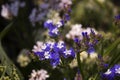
(73, 63)
(38, 46)
(23, 59)
(78, 76)
(83, 55)
(111, 73)
(39, 75)
(64, 3)
(53, 28)
(117, 17)
(88, 57)
(5, 12)
(77, 31)
(10, 10)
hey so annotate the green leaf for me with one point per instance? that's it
(5, 31)
(7, 62)
(111, 47)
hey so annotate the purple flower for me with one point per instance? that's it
(53, 28)
(67, 17)
(10, 10)
(117, 17)
(90, 49)
(69, 53)
(111, 73)
(54, 32)
(53, 51)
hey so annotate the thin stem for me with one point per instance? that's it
(79, 65)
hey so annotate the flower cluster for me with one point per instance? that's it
(38, 14)
(39, 75)
(53, 27)
(76, 31)
(87, 38)
(53, 51)
(10, 10)
(45, 6)
(111, 73)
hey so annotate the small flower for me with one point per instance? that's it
(23, 59)
(117, 17)
(69, 53)
(112, 73)
(39, 75)
(53, 28)
(54, 32)
(5, 12)
(11, 10)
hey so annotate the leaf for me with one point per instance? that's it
(7, 62)
(111, 47)
(4, 32)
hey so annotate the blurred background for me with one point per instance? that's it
(28, 26)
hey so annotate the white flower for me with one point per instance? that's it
(83, 55)
(5, 12)
(55, 31)
(108, 72)
(60, 44)
(67, 52)
(65, 3)
(47, 55)
(39, 75)
(117, 70)
(76, 30)
(23, 59)
(38, 47)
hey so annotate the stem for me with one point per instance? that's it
(79, 65)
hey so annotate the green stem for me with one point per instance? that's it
(79, 65)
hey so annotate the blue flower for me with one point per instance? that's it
(53, 28)
(67, 17)
(53, 51)
(59, 47)
(54, 32)
(109, 75)
(69, 53)
(90, 49)
(55, 59)
(117, 17)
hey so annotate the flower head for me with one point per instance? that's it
(39, 75)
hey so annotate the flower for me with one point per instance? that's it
(10, 10)
(53, 28)
(23, 59)
(53, 51)
(111, 73)
(117, 17)
(39, 75)
(79, 32)
(64, 3)
(5, 12)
